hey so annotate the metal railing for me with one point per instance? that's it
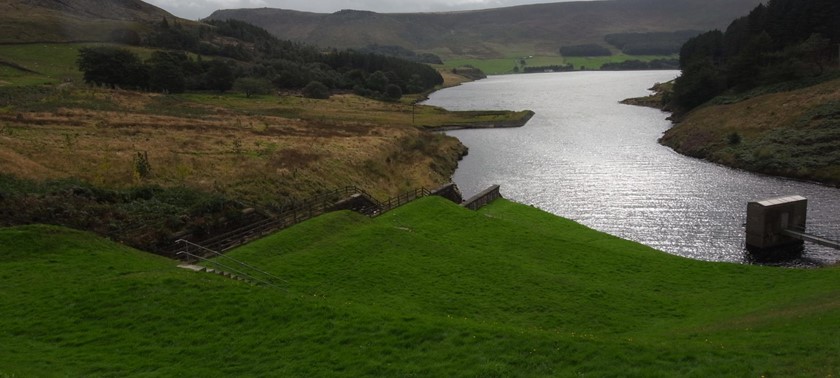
(241, 269)
(300, 212)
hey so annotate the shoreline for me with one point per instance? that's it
(526, 116)
(745, 134)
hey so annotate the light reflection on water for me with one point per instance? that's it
(586, 157)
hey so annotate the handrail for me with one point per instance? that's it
(231, 269)
(304, 210)
(187, 242)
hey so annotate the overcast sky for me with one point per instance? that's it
(196, 9)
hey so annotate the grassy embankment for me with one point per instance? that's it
(774, 130)
(428, 289)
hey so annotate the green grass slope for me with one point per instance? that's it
(429, 289)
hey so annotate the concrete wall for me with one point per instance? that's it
(479, 200)
(449, 191)
(767, 218)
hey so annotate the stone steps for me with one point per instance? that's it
(201, 269)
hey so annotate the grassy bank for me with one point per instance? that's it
(774, 130)
(429, 289)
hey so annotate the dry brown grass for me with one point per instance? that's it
(231, 148)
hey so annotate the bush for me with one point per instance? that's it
(111, 66)
(252, 86)
(392, 92)
(317, 90)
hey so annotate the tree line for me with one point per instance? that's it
(783, 40)
(250, 56)
(654, 43)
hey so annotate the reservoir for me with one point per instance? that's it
(586, 157)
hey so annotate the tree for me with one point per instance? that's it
(219, 76)
(317, 90)
(166, 71)
(584, 50)
(252, 86)
(392, 92)
(377, 81)
(817, 50)
(699, 83)
(113, 67)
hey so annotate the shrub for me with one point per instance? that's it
(252, 86)
(392, 92)
(317, 90)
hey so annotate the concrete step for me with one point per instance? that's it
(194, 268)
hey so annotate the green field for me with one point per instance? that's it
(52, 63)
(506, 65)
(429, 289)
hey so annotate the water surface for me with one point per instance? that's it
(586, 157)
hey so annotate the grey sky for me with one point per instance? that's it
(196, 9)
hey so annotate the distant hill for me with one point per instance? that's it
(533, 29)
(23, 21)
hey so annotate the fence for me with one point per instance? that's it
(347, 198)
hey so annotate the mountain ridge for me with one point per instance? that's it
(535, 28)
(30, 21)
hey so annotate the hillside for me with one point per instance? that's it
(194, 129)
(26, 21)
(764, 95)
(769, 130)
(527, 29)
(429, 289)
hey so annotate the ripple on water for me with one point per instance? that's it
(586, 157)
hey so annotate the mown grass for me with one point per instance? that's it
(429, 289)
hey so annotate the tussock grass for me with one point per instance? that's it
(428, 289)
(270, 148)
